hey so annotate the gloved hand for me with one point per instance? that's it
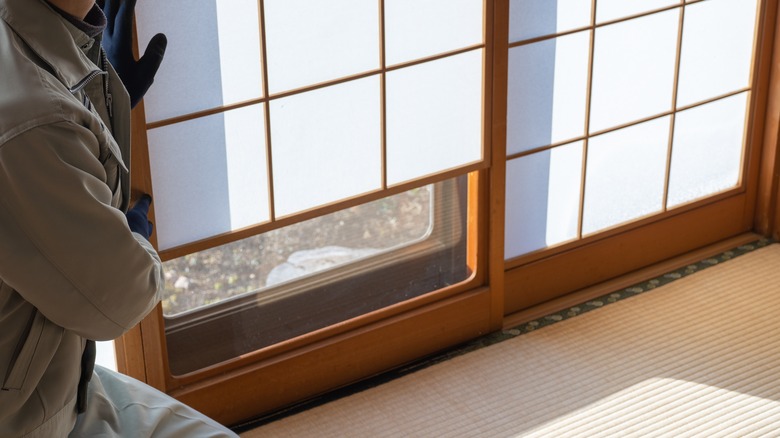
(137, 217)
(87, 366)
(118, 43)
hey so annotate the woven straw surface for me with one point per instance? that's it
(699, 356)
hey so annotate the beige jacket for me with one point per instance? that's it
(70, 268)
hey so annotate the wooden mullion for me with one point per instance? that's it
(203, 113)
(607, 258)
(267, 113)
(497, 36)
(672, 118)
(537, 39)
(767, 123)
(308, 88)
(383, 93)
(588, 99)
(280, 222)
(622, 228)
(623, 126)
(140, 352)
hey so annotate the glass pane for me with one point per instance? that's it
(548, 83)
(289, 253)
(607, 10)
(543, 199)
(326, 145)
(707, 149)
(533, 18)
(434, 116)
(312, 41)
(625, 174)
(416, 29)
(633, 72)
(221, 38)
(280, 285)
(717, 49)
(209, 175)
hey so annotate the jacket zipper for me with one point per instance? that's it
(109, 97)
(104, 71)
(83, 83)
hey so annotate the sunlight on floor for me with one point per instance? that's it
(664, 406)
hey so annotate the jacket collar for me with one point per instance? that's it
(57, 42)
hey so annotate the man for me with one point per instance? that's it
(74, 268)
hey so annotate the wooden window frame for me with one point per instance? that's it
(404, 331)
(592, 259)
(318, 301)
(323, 360)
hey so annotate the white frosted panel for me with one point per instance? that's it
(212, 58)
(607, 10)
(419, 28)
(717, 49)
(548, 84)
(434, 116)
(105, 355)
(209, 176)
(247, 167)
(533, 18)
(542, 199)
(707, 149)
(625, 174)
(633, 72)
(326, 145)
(312, 41)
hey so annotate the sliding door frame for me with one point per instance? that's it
(536, 278)
(303, 367)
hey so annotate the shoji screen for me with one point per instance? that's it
(279, 108)
(618, 111)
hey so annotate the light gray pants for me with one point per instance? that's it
(120, 406)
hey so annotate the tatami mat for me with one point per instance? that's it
(699, 356)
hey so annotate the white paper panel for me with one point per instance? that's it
(707, 149)
(419, 28)
(209, 176)
(326, 145)
(434, 116)
(607, 10)
(212, 59)
(717, 49)
(625, 175)
(542, 199)
(634, 67)
(534, 18)
(548, 84)
(312, 41)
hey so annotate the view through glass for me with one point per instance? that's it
(273, 258)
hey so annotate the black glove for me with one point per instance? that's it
(118, 43)
(137, 218)
(87, 366)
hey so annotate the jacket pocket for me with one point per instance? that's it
(39, 328)
(114, 168)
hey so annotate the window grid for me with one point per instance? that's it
(588, 134)
(265, 100)
(378, 71)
